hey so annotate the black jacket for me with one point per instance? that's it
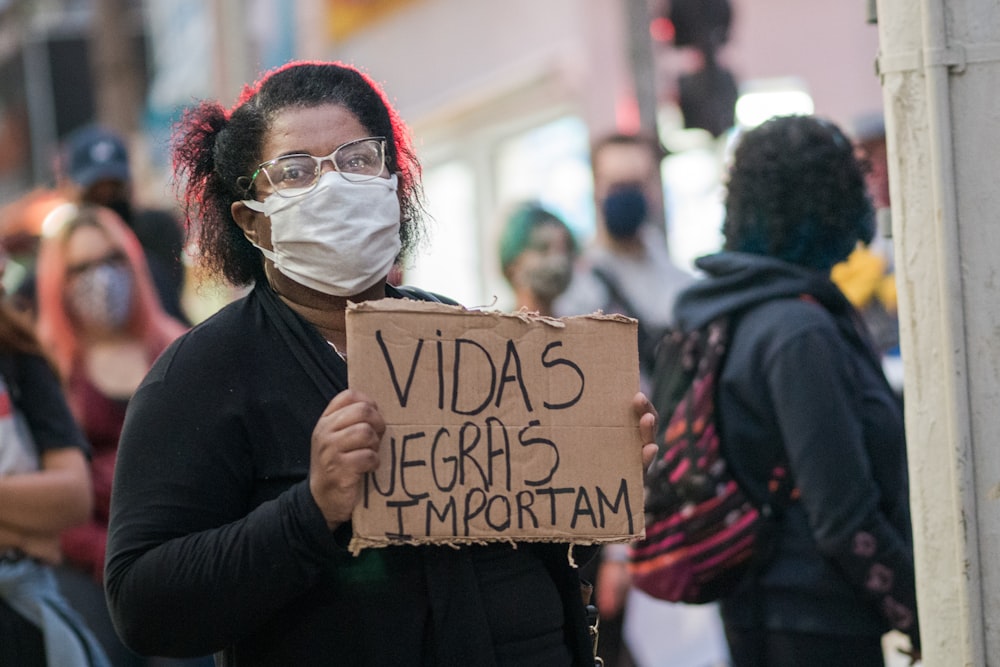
(216, 544)
(802, 384)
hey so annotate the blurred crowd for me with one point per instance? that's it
(627, 269)
(98, 282)
(95, 285)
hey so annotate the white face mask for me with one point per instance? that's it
(339, 238)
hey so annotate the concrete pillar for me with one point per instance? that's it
(939, 63)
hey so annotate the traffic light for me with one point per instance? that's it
(703, 24)
(707, 95)
(708, 98)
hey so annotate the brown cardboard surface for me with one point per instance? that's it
(501, 427)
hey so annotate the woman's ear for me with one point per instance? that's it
(246, 219)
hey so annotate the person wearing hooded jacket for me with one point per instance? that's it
(802, 387)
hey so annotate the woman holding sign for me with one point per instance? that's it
(243, 452)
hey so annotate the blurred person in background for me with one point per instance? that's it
(802, 389)
(867, 277)
(100, 320)
(44, 489)
(93, 168)
(537, 251)
(244, 451)
(21, 224)
(627, 269)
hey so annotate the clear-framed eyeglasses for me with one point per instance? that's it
(298, 173)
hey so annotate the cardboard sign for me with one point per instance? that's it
(501, 427)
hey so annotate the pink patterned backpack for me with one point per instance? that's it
(703, 533)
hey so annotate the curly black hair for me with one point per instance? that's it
(797, 192)
(213, 147)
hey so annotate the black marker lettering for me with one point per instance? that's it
(401, 394)
(456, 372)
(525, 499)
(583, 507)
(405, 462)
(552, 493)
(450, 484)
(530, 442)
(547, 363)
(449, 509)
(505, 377)
(620, 499)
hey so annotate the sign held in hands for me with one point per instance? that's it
(501, 427)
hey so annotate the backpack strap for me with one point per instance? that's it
(681, 358)
(648, 340)
(417, 294)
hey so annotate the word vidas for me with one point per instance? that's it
(468, 353)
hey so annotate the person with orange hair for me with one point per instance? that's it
(101, 321)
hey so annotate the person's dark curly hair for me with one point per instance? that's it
(213, 147)
(797, 192)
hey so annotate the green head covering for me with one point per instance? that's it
(517, 232)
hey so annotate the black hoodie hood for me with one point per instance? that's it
(737, 281)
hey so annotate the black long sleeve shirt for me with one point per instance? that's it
(216, 544)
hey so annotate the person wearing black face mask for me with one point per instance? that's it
(627, 269)
(94, 169)
(625, 208)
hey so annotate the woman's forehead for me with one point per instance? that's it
(551, 235)
(87, 241)
(316, 130)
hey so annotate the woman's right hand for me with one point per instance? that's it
(345, 445)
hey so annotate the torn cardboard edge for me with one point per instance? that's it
(501, 427)
(358, 544)
(523, 314)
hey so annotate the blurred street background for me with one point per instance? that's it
(502, 97)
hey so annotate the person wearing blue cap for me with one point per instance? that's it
(94, 168)
(97, 159)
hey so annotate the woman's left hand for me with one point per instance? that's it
(647, 427)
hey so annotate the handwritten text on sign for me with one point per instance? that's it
(500, 427)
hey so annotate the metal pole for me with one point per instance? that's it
(641, 59)
(41, 108)
(115, 67)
